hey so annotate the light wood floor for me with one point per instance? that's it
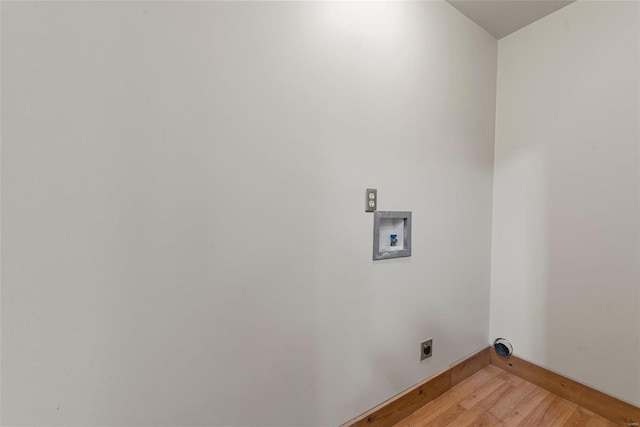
(494, 397)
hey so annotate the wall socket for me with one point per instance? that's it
(371, 200)
(426, 349)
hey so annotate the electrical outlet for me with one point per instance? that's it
(426, 349)
(371, 200)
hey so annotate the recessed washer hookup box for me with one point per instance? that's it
(391, 234)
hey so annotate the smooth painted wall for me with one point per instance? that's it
(565, 287)
(184, 239)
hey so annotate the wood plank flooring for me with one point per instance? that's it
(494, 397)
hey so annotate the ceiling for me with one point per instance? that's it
(503, 17)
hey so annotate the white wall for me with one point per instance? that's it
(183, 232)
(565, 285)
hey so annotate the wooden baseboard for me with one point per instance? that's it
(412, 399)
(468, 366)
(618, 411)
